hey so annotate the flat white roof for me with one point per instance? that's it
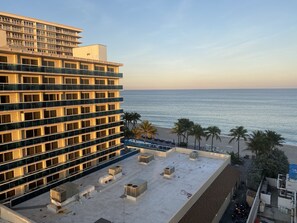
(162, 200)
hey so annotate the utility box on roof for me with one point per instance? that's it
(135, 188)
(145, 158)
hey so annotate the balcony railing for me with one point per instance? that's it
(43, 69)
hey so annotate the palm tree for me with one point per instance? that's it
(148, 129)
(183, 127)
(274, 139)
(213, 131)
(178, 130)
(237, 133)
(127, 117)
(198, 132)
(136, 133)
(258, 143)
(135, 117)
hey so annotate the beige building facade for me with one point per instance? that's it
(59, 114)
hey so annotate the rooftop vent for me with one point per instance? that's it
(135, 188)
(115, 170)
(169, 170)
(194, 155)
(63, 192)
(145, 158)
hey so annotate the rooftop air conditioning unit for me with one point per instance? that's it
(194, 155)
(135, 188)
(145, 158)
(168, 171)
(115, 170)
(63, 192)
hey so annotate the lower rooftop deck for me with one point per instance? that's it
(161, 202)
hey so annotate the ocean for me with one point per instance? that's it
(261, 109)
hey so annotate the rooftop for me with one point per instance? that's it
(163, 199)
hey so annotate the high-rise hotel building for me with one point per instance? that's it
(59, 107)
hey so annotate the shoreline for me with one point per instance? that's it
(224, 146)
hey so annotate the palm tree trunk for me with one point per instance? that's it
(199, 144)
(212, 143)
(238, 150)
(195, 143)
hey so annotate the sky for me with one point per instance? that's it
(185, 44)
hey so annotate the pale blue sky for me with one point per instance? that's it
(170, 44)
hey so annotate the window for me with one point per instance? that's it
(101, 147)
(100, 81)
(101, 108)
(86, 137)
(71, 96)
(84, 66)
(112, 143)
(72, 156)
(87, 165)
(100, 121)
(30, 98)
(50, 113)
(112, 155)
(48, 63)
(49, 80)
(29, 151)
(110, 69)
(111, 131)
(111, 107)
(85, 124)
(52, 178)
(73, 170)
(5, 119)
(51, 146)
(111, 94)
(33, 133)
(32, 116)
(101, 159)
(30, 80)
(99, 68)
(72, 141)
(35, 185)
(4, 79)
(86, 151)
(85, 95)
(7, 195)
(50, 130)
(70, 65)
(6, 176)
(111, 119)
(52, 162)
(70, 81)
(34, 167)
(71, 126)
(84, 81)
(100, 95)
(50, 97)
(85, 110)
(71, 111)
(29, 61)
(4, 99)
(101, 134)
(4, 157)
(5, 138)
(3, 59)
(110, 82)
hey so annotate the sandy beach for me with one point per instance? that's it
(224, 146)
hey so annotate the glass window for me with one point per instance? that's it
(3, 59)
(4, 79)
(32, 116)
(51, 146)
(5, 119)
(50, 113)
(7, 137)
(30, 80)
(4, 99)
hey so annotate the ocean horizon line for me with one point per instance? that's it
(205, 89)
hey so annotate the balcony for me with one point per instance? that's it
(42, 69)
